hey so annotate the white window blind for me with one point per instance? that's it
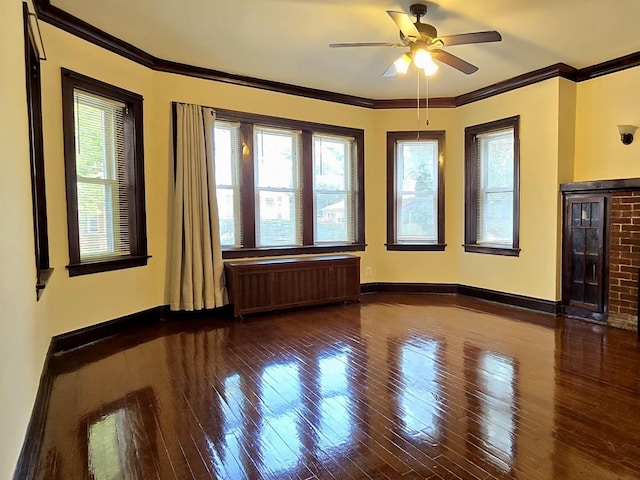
(334, 189)
(277, 156)
(495, 162)
(103, 206)
(228, 158)
(416, 191)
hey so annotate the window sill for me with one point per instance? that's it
(416, 247)
(277, 251)
(492, 250)
(106, 265)
(41, 282)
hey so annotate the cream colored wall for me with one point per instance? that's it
(535, 272)
(76, 302)
(402, 266)
(603, 103)
(24, 328)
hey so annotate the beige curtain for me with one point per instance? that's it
(197, 271)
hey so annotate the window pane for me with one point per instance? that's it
(228, 153)
(277, 219)
(495, 199)
(223, 155)
(276, 158)
(226, 219)
(416, 191)
(103, 222)
(497, 151)
(417, 166)
(417, 218)
(497, 218)
(332, 212)
(330, 160)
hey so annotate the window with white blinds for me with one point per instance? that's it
(415, 196)
(227, 159)
(495, 187)
(287, 186)
(278, 187)
(492, 186)
(103, 206)
(334, 189)
(104, 169)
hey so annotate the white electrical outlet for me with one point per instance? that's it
(368, 272)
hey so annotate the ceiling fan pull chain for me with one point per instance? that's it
(418, 101)
(427, 100)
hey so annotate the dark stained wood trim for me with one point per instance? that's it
(531, 303)
(408, 287)
(279, 251)
(471, 187)
(558, 70)
(601, 185)
(36, 156)
(416, 247)
(75, 26)
(438, 102)
(134, 187)
(30, 452)
(608, 67)
(308, 227)
(522, 301)
(94, 333)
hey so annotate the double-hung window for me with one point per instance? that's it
(287, 187)
(415, 190)
(334, 189)
(492, 188)
(104, 175)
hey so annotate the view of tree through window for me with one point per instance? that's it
(417, 202)
(415, 197)
(333, 188)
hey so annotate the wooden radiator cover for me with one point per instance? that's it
(263, 285)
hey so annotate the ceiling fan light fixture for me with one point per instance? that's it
(422, 59)
(402, 63)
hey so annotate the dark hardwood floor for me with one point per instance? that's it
(397, 387)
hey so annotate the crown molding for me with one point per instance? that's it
(75, 26)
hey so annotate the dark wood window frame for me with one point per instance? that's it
(471, 188)
(135, 165)
(247, 186)
(392, 139)
(36, 154)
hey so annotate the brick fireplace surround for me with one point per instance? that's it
(624, 259)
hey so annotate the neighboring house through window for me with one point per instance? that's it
(492, 193)
(415, 190)
(104, 175)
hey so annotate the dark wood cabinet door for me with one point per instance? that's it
(584, 255)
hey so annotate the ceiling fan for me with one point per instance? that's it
(425, 45)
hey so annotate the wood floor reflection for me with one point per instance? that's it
(397, 387)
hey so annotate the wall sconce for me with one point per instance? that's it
(626, 133)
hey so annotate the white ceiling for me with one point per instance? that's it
(287, 40)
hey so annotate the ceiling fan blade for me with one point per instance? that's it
(405, 25)
(365, 44)
(453, 61)
(466, 38)
(392, 71)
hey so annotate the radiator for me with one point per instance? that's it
(264, 285)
